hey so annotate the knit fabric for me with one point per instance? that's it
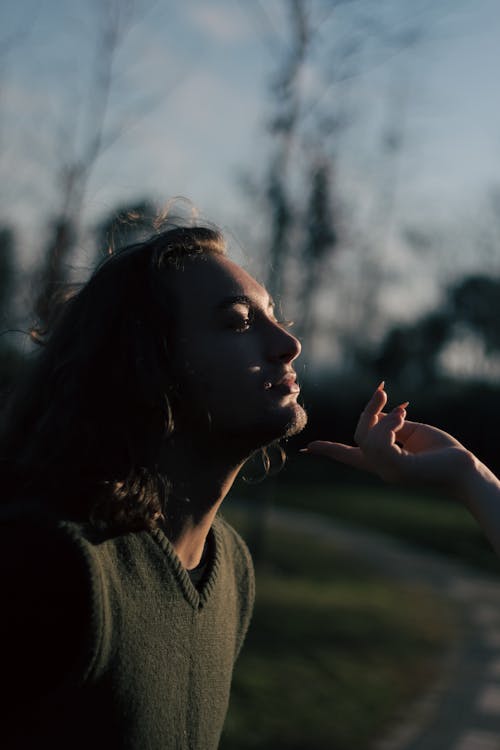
(154, 665)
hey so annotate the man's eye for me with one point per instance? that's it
(242, 325)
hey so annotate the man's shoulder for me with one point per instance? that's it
(38, 542)
(242, 570)
(31, 518)
(234, 545)
(229, 533)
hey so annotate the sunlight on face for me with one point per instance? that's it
(234, 359)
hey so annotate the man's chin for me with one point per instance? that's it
(289, 423)
(275, 425)
(296, 423)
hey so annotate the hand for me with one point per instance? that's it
(401, 451)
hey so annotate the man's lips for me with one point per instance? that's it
(286, 384)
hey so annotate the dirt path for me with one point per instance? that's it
(462, 711)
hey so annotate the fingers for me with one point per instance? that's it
(391, 423)
(371, 413)
(376, 435)
(396, 449)
(346, 454)
(382, 432)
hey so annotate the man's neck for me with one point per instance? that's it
(199, 480)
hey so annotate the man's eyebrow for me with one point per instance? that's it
(241, 299)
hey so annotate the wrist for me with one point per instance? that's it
(476, 483)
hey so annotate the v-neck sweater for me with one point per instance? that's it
(155, 669)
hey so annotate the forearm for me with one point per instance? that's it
(481, 495)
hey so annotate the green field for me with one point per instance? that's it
(334, 653)
(421, 519)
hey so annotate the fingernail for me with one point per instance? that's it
(401, 407)
(381, 385)
(303, 450)
(404, 404)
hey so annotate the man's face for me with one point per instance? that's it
(233, 358)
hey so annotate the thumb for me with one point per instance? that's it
(346, 454)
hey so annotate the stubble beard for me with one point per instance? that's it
(297, 422)
(238, 442)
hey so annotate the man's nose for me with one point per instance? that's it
(286, 347)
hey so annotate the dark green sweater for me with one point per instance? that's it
(110, 644)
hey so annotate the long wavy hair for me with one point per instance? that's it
(86, 426)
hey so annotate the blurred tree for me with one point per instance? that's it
(474, 302)
(322, 48)
(52, 275)
(286, 92)
(113, 20)
(376, 235)
(412, 353)
(10, 356)
(320, 238)
(7, 271)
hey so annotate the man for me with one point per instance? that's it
(126, 599)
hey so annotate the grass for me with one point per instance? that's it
(425, 520)
(334, 653)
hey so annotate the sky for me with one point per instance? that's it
(190, 100)
(187, 98)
